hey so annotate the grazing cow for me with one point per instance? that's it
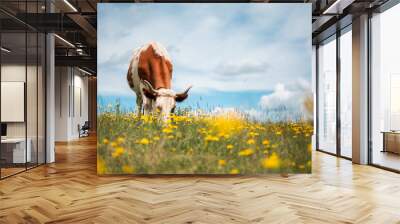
(149, 76)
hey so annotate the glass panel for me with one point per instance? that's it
(327, 96)
(31, 100)
(41, 99)
(22, 88)
(13, 86)
(346, 94)
(385, 86)
(32, 89)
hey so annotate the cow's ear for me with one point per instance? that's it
(149, 94)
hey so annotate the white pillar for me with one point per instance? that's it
(50, 92)
(360, 90)
(50, 100)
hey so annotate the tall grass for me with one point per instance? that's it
(200, 143)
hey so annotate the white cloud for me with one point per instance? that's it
(213, 47)
(223, 110)
(242, 68)
(280, 97)
(290, 97)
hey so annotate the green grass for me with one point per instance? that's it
(203, 144)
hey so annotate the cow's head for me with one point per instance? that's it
(164, 100)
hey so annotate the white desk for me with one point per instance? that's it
(18, 144)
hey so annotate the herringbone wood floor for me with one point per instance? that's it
(69, 191)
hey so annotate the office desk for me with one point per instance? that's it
(13, 150)
(391, 141)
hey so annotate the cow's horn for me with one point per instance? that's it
(149, 87)
(182, 96)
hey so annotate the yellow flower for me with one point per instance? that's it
(278, 133)
(156, 138)
(146, 118)
(170, 136)
(234, 171)
(113, 144)
(128, 169)
(251, 141)
(221, 134)
(229, 146)
(221, 162)
(118, 151)
(271, 162)
(101, 167)
(120, 140)
(167, 130)
(246, 152)
(265, 142)
(144, 141)
(228, 123)
(252, 134)
(105, 141)
(211, 138)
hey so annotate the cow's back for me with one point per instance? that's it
(155, 67)
(151, 63)
(132, 74)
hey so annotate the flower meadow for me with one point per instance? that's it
(200, 143)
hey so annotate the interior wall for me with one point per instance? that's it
(62, 81)
(71, 102)
(16, 72)
(314, 90)
(92, 100)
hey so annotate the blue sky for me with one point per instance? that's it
(251, 56)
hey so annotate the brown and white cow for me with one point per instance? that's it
(149, 76)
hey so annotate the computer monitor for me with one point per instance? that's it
(3, 129)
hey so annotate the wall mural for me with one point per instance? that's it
(204, 88)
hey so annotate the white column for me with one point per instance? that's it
(50, 100)
(50, 92)
(314, 91)
(360, 90)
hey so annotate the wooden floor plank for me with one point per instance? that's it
(69, 191)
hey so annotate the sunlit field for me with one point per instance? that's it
(191, 143)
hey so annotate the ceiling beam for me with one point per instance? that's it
(338, 6)
(85, 25)
(81, 61)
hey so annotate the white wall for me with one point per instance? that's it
(314, 90)
(33, 126)
(71, 87)
(62, 81)
(16, 72)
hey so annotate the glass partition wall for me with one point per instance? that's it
(22, 77)
(327, 95)
(334, 82)
(385, 89)
(345, 62)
